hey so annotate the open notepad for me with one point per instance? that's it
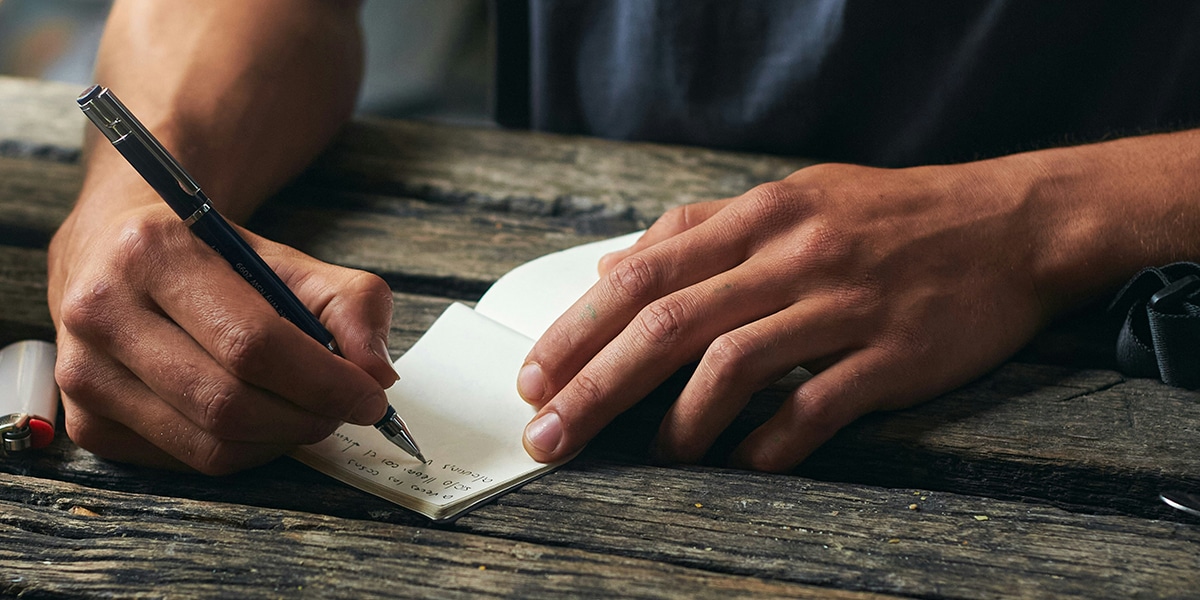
(457, 393)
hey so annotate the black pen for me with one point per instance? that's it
(181, 193)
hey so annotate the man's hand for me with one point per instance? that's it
(890, 285)
(167, 356)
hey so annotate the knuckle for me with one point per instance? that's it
(587, 389)
(728, 356)
(635, 278)
(86, 309)
(821, 252)
(822, 244)
(82, 429)
(823, 418)
(220, 403)
(145, 239)
(371, 286)
(825, 171)
(242, 348)
(826, 239)
(662, 321)
(74, 372)
(673, 221)
(768, 198)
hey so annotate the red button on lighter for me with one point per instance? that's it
(28, 395)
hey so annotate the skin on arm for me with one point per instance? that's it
(891, 286)
(166, 356)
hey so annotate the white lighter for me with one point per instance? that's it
(28, 395)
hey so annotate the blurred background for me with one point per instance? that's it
(427, 59)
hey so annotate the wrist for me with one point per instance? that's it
(1096, 214)
(111, 190)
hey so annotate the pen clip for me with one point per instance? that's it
(103, 108)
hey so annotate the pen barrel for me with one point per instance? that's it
(217, 233)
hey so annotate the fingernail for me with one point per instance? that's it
(545, 433)
(531, 383)
(371, 410)
(380, 350)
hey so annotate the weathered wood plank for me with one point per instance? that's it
(35, 197)
(64, 540)
(25, 313)
(776, 527)
(537, 172)
(1077, 438)
(1074, 438)
(41, 119)
(864, 538)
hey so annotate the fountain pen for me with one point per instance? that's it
(184, 196)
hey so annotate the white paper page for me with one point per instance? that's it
(457, 394)
(530, 297)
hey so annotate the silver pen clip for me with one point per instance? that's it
(103, 108)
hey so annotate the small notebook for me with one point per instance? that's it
(457, 394)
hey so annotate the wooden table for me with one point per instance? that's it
(1039, 479)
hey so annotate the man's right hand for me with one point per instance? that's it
(167, 356)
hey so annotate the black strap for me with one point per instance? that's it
(1160, 336)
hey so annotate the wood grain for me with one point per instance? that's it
(847, 536)
(25, 313)
(537, 173)
(41, 119)
(35, 197)
(60, 540)
(727, 523)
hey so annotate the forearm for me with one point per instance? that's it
(244, 94)
(1100, 212)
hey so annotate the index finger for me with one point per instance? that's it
(670, 224)
(245, 334)
(611, 305)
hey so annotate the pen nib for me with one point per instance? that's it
(393, 428)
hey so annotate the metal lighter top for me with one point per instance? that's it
(28, 395)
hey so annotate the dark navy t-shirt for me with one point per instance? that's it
(874, 82)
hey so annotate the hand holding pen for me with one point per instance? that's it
(164, 349)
